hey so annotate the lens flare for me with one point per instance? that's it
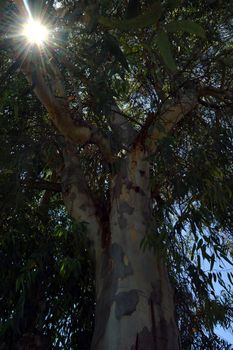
(35, 32)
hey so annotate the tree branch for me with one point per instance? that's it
(120, 126)
(41, 185)
(158, 126)
(49, 88)
(216, 92)
(208, 104)
(73, 128)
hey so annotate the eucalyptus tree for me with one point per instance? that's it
(136, 101)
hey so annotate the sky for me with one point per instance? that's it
(224, 268)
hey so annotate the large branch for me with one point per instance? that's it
(72, 127)
(160, 125)
(121, 128)
(49, 87)
(210, 91)
(41, 185)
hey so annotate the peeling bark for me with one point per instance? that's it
(134, 307)
(134, 298)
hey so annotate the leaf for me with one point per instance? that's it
(224, 256)
(164, 47)
(198, 262)
(133, 8)
(147, 19)
(215, 277)
(228, 61)
(210, 280)
(186, 26)
(114, 48)
(2, 4)
(193, 251)
(212, 262)
(229, 277)
(199, 243)
(172, 4)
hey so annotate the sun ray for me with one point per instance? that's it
(27, 8)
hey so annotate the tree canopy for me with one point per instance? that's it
(114, 63)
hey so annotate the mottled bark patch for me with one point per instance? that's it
(72, 175)
(113, 268)
(117, 187)
(144, 341)
(83, 207)
(33, 341)
(126, 303)
(165, 336)
(113, 264)
(121, 270)
(122, 222)
(165, 330)
(156, 296)
(124, 208)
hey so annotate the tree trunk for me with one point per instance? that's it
(135, 309)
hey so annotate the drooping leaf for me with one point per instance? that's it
(114, 48)
(165, 50)
(133, 9)
(186, 26)
(198, 262)
(149, 18)
(172, 4)
(2, 4)
(230, 278)
(228, 61)
(212, 262)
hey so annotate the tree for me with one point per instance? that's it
(134, 128)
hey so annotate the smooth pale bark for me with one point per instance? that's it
(134, 300)
(135, 307)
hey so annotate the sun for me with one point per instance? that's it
(35, 32)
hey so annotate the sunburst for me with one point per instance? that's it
(35, 32)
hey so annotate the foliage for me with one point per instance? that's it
(106, 50)
(48, 286)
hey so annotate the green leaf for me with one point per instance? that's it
(147, 19)
(2, 4)
(212, 262)
(186, 26)
(198, 262)
(199, 243)
(229, 277)
(224, 256)
(215, 277)
(210, 276)
(193, 251)
(114, 48)
(172, 4)
(164, 47)
(228, 61)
